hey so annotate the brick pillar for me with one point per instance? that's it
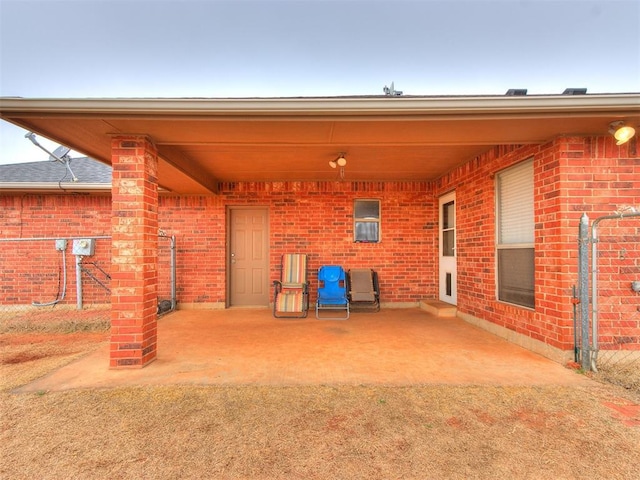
(134, 230)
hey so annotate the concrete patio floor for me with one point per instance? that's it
(250, 346)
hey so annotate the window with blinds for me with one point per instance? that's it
(515, 235)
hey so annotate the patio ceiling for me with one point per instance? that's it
(202, 142)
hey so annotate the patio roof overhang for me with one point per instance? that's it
(202, 142)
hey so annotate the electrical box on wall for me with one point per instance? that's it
(84, 246)
(61, 244)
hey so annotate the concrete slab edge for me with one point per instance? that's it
(519, 339)
(202, 306)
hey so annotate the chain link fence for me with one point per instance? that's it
(64, 284)
(615, 300)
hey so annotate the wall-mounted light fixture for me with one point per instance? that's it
(621, 132)
(339, 162)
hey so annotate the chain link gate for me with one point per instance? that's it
(608, 317)
(58, 284)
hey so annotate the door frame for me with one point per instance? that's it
(453, 262)
(229, 209)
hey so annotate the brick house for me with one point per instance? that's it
(474, 201)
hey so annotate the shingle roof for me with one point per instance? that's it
(86, 169)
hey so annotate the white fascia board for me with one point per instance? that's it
(325, 105)
(52, 186)
(62, 187)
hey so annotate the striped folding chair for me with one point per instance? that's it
(291, 296)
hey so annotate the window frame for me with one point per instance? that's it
(357, 220)
(522, 295)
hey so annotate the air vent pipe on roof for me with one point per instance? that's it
(391, 91)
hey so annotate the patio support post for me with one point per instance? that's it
(134, 232)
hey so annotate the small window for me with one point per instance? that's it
(366, 216)
(449, 229)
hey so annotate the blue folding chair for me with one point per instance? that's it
(332, 292)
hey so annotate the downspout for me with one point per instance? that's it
(79, 282)
(575, 300)
(172, 239)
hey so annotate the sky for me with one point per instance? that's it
(273, 48)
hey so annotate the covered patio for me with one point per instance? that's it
(229, 177)
(250, 347)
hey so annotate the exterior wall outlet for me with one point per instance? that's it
(61, 244)
(84, 246)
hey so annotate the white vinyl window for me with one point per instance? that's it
(366, 221)
(515, 235)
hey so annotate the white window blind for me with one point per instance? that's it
(515, 205)
(515, 249)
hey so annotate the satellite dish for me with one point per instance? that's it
(59, 153)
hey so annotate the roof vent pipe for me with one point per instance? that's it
(391, 91)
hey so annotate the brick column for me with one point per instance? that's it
(134, 230)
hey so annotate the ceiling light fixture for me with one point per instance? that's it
(621, 132)
(339, 162)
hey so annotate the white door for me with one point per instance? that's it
(447, 247)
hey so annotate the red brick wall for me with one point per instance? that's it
(313, 218)
(618, 266)
(198, 223)
(571, 176)
(609, 183)
(31, 270)
(316, 218)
